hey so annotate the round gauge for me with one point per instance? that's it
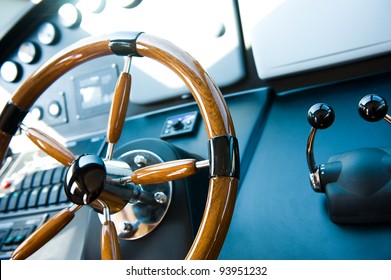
(129, 3)
(28, 52)
(10, 71)
(69, 15)
(48, 34)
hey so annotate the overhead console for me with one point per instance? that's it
(287, 41)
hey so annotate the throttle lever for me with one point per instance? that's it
(356, 183)
(319, 116)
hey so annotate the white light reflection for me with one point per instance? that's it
(194, 26)
(252, 12)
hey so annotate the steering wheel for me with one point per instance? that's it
(87, 177)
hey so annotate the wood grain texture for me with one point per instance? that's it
(34, 85)
(210, 101)
(50, 146)
(42, 235)
(5, 139)
(119, 107)
(110, 249)
(216, 219)
(218, 122)
(164, 172)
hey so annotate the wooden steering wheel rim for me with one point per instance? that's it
(217, 119)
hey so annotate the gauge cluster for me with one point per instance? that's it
(84, 94)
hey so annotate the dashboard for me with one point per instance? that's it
(272, 61)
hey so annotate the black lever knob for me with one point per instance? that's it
(85, 179)
(357, 183)
(372, 108)
(320, 116)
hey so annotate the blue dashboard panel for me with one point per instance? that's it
(278, 215)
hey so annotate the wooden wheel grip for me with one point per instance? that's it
(110, 249)
(216, 116)
(42, 235)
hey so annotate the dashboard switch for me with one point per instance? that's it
(177, 125)
(69, 15)
(37, 113)
(11, 71)
(54, 109)
(5, 185)
(180, 125)
(28, 52)
(48, 34)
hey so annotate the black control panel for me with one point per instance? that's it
(39, 189)
(180, 125)
(25, 208)
(14, 232)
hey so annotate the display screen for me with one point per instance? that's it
(95, 92)
(92, 97)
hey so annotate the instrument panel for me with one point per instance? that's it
(83, 95)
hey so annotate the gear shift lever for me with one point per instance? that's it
(373, 108)
(357, 184)
(320, 116)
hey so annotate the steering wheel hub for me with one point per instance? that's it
(85, 179)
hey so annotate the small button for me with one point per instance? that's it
(10, 238)
(5, 184)
(69, 15)
(23, 199)
(27, 181)
(33, 198)
(22, 235)
(11, 71)
(48, 34)
(37, 113)
(58, 175)
(43, 196)
(3, 202)
(177, 124)
(13, 201)
(3, 234)
(54, 193)
(47, 177)
(54, 109)
(37, 180)
(28, 52)
(18, 239)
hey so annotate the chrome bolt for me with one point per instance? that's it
(127, 227)
(160, 197)
(140, 160)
